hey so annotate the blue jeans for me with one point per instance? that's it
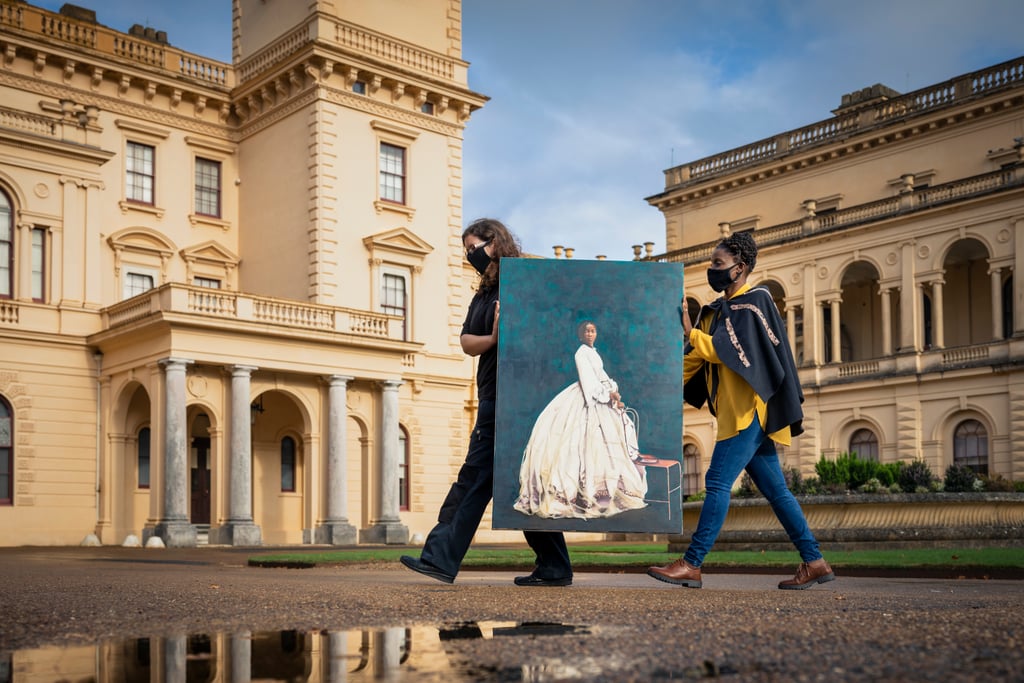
(753, 451)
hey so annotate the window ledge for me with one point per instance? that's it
(127, 206)
(202, 219)
(382, 206)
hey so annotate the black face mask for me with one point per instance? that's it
(719, 278)
(478, 258)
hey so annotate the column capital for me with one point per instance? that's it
(338, 380)
(391, 384)
(171, 362)
(243, 370)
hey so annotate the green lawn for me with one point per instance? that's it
(639, 556)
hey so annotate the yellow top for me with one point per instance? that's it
(736, 402)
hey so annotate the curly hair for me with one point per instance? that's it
(502, 242)
(742, 246)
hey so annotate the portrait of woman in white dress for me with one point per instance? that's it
(582, 459)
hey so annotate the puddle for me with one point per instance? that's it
(390, 654)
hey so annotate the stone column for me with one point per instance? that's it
(791, 329)
(174, 527)
(241, 657)
(1018, 281)
(938, 318)
(175, 660)
(239, 529)
(837, 332)
(812, 345)
(995, 277)
(910, 301)
(388, 528)
(334, 653)
(886, 295)
(335, 528)
(23, 238)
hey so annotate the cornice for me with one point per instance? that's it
(113, 105)
(857, 143)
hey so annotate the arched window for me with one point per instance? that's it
(288, 464)
(970, 446)
(691, 470)
(143, 457)
(403, 469)
(864, 444)
(6, 453)
(6, 248)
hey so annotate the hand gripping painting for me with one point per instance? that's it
(589, 424)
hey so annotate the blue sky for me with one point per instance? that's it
(591, 100)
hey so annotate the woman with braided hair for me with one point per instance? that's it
(738, 361)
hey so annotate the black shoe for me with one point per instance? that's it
(534, 580)
(427, 569)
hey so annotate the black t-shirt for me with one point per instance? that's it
(480, 321)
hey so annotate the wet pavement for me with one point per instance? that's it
(103, 614)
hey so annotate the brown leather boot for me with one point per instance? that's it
(808, 574)
(680, 572)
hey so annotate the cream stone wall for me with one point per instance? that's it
(911, 243)
(300, 249)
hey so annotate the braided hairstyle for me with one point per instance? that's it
(743, 247)
(502, 242)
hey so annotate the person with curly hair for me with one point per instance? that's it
(487, 242)
(738, 361)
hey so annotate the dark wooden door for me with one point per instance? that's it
(201, 482)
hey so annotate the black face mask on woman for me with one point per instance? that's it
(719, 278)
(478, 258)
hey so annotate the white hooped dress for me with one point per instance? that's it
(582, 457)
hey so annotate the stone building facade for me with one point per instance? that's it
(231, 294)
(890, 235)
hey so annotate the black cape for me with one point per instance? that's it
(749, 337)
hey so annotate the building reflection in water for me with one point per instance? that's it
(392, 654)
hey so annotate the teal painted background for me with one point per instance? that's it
(640, 340)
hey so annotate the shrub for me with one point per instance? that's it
(916, 477)
(747, 488)
(997, 483)
(849, 472)
(700, 495)
(873, 485)
(794, 480)
(960, 478)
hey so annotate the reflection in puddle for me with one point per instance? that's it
(391, 654)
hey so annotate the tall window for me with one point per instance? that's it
(6, 453)
(403, 469)
(38, 264)
(6, 248)
(287, 464)
(392, 173)
(393, 297)
(143, 458)
(691, 465)
(864, 444)
(136, 283)
(208, 187)
(970, 446)
(139, 172)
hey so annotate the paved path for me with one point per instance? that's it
(622, 626)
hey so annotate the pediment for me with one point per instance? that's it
(398, 240)
(141, 239)
(211, 251)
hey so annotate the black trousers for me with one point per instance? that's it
(463, 508)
